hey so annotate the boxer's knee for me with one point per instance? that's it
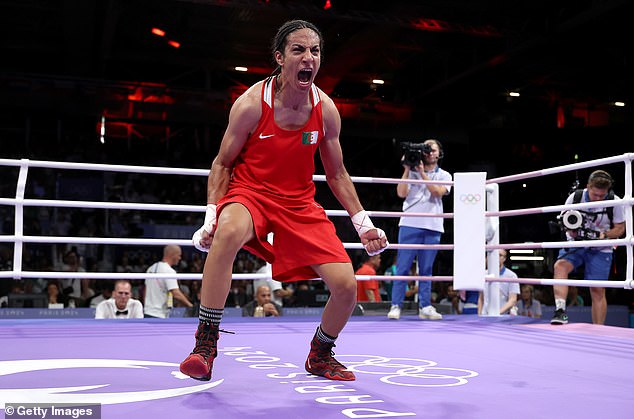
(340, 280)
(235, 227)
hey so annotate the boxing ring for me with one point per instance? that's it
(461, 366)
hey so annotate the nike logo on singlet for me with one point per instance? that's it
(265, 136)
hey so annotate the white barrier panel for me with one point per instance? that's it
(469, 231)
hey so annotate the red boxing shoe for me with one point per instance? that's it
(199, 363)
(322, 362)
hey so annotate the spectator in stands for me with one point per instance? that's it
(196, 264)
(368, 290)
(262, 306)
(78, 290)
(6, 264)
(124, 266)
(528, 305)
(574, 299)
(121, 305)
(196, 290)
(17, 287)
(237, 296)
(385, 287)
(55, 296)
(411, 289)
(452, 300)
(105, 289)
(278, 292)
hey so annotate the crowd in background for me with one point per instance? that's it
(69, 222)
(89, 292)
(174, 189)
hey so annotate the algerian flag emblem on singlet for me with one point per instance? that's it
(309, 137)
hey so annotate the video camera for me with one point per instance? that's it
(574, 220)
(414, 153)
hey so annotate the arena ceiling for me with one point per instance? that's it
(438, 58)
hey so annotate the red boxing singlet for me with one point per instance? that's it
(273, 179)
(277, 162)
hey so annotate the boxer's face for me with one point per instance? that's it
(301, 59)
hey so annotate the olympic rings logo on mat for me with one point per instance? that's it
(409, 372)
(470, 198)
(70, 394)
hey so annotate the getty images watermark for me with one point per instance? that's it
(52, 411)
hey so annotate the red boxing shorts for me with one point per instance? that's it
(302, 235)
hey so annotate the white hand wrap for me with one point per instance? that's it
(208, 226)
(362, 223)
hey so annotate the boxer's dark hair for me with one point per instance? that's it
(279, 42)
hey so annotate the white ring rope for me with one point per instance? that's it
(180, 242)
(176, 207)
(625, 158)
(20, 202)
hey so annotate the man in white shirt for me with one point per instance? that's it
(508, 292)
(121, 305)
(278, 293)
(594, 223)
(420, 198)
(161, 292)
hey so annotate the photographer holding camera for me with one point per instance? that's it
(420, 161)
(588, 224)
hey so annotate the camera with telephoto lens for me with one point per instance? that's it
(574, 220)
(414, 153)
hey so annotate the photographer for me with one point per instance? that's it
(594, 223)
(420, 161)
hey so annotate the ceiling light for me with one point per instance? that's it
(378, 81)
(527, 258)
(242, 69)
(102, 130)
